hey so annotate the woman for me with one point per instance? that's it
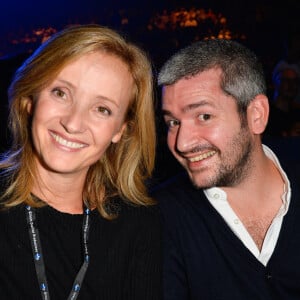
(75, 217)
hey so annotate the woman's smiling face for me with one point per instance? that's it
(77, 116)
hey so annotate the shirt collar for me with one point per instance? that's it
(217, 194)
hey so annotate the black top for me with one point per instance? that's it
(205, 260)
(124, 263)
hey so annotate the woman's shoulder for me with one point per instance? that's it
(4, 184)
(13, 215)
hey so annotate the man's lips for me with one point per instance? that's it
(202, 156)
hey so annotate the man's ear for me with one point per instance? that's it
(258, 114)
(118, 135)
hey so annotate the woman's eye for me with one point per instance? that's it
(59, 93)
(104, 110)
(204, 117)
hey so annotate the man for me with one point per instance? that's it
(232, 225)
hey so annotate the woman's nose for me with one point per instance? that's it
(74, 121)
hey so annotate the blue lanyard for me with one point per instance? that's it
(39, 260)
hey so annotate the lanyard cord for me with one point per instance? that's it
(38, 257)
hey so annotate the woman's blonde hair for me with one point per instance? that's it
(126, 165)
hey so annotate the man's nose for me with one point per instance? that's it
(187, 137)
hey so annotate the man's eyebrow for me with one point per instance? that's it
(195, 105)
(166, 112)
(189, 107)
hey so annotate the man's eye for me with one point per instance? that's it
(104, 110)
(204, 117)
(172, 123)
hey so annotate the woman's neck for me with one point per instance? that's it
(60, 192)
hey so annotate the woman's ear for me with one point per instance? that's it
(258, 114)
(28, 103)
(118, 135)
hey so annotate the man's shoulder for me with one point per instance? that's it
(292, 169)
(171, 185)
(177, 194)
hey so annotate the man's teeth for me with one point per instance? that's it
(66, 143)
(202, 156)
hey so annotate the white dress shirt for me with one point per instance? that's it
(218, 198)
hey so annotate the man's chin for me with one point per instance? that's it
(200, 183)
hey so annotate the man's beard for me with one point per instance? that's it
(235, 163)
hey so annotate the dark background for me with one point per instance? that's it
(262, 25)
(264, 22)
